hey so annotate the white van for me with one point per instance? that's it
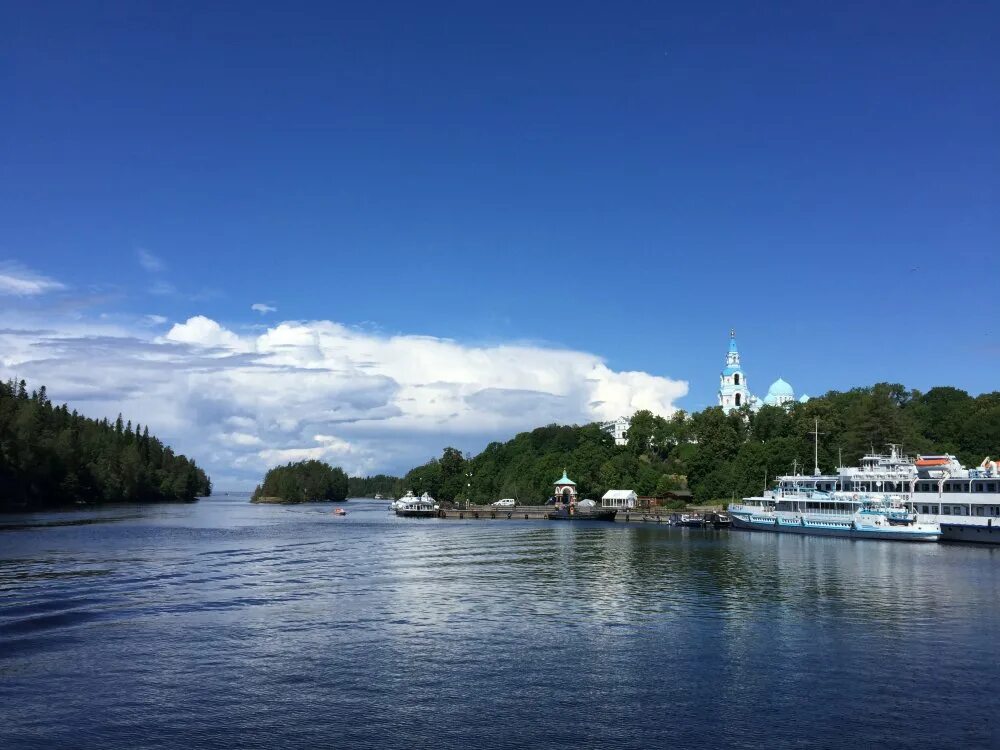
(505, 503)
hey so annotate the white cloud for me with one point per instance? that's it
(19, 281)
(149, 261)
(204, 332)
(156, 320)
(242, 401)
(241, 438)
(262, 308)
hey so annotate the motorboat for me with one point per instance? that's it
(722, 520)
(691, 520)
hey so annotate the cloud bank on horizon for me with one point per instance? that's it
(240, 399)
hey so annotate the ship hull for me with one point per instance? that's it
(884, 534)
(417, 513)
(974, 534)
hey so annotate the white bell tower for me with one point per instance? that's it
(733, 390)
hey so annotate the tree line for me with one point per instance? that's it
(379, 484)
(51, 456)
(719, 456)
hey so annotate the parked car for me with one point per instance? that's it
(505, 503)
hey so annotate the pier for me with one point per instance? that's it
(541, 513)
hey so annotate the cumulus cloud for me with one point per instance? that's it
(262, 308)
(241, 400)
(18, 281)
(149, 261)
(204, 332)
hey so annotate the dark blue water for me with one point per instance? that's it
(226, 625)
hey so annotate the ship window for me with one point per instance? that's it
(991, 487)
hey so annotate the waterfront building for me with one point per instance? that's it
(619, 499)
(618, 429)
(565, 489)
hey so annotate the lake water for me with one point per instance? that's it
(226, 625)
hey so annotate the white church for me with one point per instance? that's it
(734, 392)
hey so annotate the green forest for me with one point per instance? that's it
(717, 456)
(302, 482)
(380, 484)
(52, 457)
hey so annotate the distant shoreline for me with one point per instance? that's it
(282, 501)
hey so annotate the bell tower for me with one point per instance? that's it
(733, 390)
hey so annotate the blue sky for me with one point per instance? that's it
(628, 180)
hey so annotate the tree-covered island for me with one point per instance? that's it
(302, 482)
(52, 457)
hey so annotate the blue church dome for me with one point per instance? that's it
(780, 388)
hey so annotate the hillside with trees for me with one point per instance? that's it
(51, 457)
(380, 484)
(719, 456)
(302, 482)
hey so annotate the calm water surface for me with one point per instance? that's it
(226, 625)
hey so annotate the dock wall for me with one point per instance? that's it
(540, 513)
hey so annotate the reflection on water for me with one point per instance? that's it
(223, 624)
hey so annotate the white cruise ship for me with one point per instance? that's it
(928, 491)
(966, 502)
(816, 506)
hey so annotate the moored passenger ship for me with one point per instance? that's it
(966, 502)
(814, 506)
(886, 497)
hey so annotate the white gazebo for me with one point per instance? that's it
(619, 499)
